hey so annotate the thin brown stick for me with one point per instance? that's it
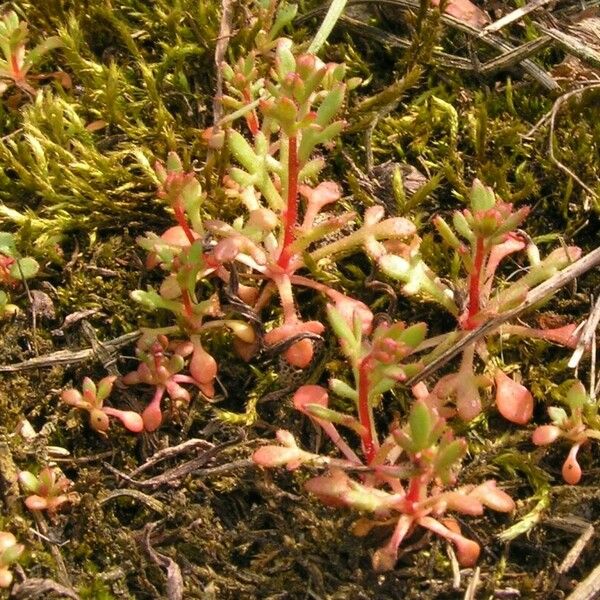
(69, 357)
(174, 578)
(589, 588)
(491, 40)
(586, 337)
(171, 452)
(35, 587)
(220, 51)
(541, 292)
(513, 16)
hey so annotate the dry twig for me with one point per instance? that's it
(174, 578)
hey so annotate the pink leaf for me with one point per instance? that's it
(310, 394)
(132, 421)
(36, 503)
(492, 497)
(467, 505)
(152, 415)
(514, 401)
(571, 471)
(545, 434)
(203, 367)
(331, 489)
(277, 456)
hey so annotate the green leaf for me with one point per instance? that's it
(450, 455)
(242, 151)
(29, 481)
(330, 105)
(24, 268)
(420, 424)
(557, 415)
(174, 163)
(104, 388)
(7, 244)
(482, 197)
(286, 63)
(342, 389)
(333, 416)
(446, 232)
(462, 226)
(285, 15)
(414, 335)
(334, 12)
(341, 328)
(576, 396)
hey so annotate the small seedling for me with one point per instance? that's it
(10, 552)
(91, 399)
(48, 490)
(409, 477)
(482, 236)
(578, 426)
(16, 60)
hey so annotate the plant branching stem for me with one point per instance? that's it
(291, 210)
(365, 411)
(475, 283)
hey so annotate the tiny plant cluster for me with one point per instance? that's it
(14, 269)
(407, 478)
(578, 426)
(16, 60)
(239, 276)
(48, 490)
(10, 551)
(482, 236)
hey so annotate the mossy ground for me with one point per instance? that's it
(143, 74)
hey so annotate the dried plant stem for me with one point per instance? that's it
(589, 588)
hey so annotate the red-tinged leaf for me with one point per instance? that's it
(36, 503)
(571, 471)
(467, 551)
(514, 401)
(203, 367)
(95, 125)
(492, 497)
(99, 421)
(545, 434)
(331, 489)
(467, 505)
(310, 394)
(277, 456)
(132, 421)
(152, 415)
(74, 398)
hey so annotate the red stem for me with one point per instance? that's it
(290, 216)
(475, 285)
(182, 221)
(414, 490)
(16, 70)
(187, 303)
(364, 410)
